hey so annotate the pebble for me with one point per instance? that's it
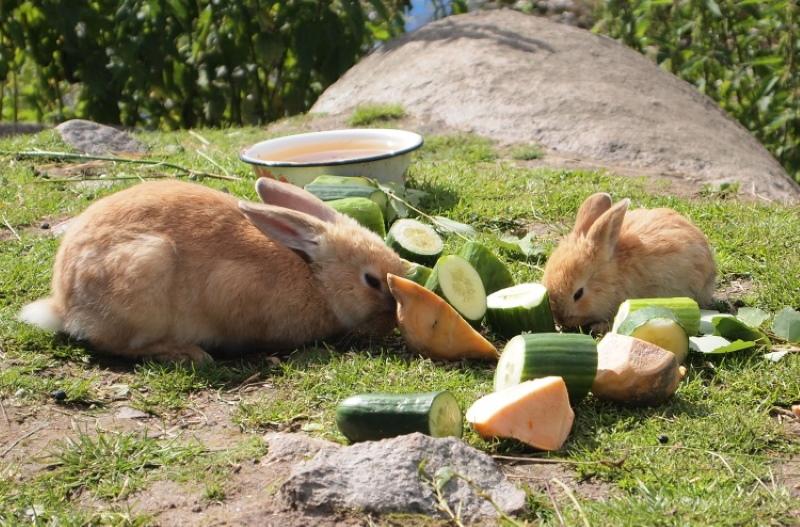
(58, 395)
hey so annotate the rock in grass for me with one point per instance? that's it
(384, 476)
(92, 138)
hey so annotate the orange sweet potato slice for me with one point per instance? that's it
(432, 328)
(535, 412)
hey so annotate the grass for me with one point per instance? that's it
(370, 114)
(722, 442)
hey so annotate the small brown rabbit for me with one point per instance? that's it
(167, 270)
(612, 255)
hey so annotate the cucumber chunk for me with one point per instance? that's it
(523, 308)
(657, 325)
(455, 280)
(686, 310)
(531, 356)
(373, 416)
(415, 241)
(494, 273)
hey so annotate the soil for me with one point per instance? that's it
(517, 78)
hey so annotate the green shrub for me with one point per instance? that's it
(182, 63)
(741, 53)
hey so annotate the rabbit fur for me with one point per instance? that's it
(166, 270)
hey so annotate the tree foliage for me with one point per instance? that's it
(184, 63)
(741, 53)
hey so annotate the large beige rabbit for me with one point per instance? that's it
(168, 270)
(613, 254)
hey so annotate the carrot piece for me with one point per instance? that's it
(432, 328)
(535, 412)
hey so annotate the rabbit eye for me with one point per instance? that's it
(372, 281)
(578, 294)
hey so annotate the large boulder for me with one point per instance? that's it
(521, 78)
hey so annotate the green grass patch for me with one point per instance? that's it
(714, 468)
(526, 152)
(369, 114)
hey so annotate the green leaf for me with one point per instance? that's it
(714, 8)
(733, 328)
(522, 247)
(786, 324)
(752, 316)
(449, 226)
(715, 345)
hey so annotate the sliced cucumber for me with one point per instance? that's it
(494, 273)
(343, 181)
(328, 188)
(657, 325)
(523, 308)
(685, 308)
(455, 280)
(364, 211)
(373, 416)
(531, 356)
(415, 241)
(418, 273)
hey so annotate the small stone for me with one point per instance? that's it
(126, 412)
(663, 439)
(58, 395)
(92, 138)
(45, 226)
(20, 392)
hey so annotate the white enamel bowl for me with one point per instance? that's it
(380, 153)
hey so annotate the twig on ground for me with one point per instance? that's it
(428, 217)
(3, 408)
(574, 500)
(534, 460)
(555, 505)
(42, 154)
(8, 225)
(199, 137)
(24, 436)
(210, 160)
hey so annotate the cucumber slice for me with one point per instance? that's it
(657, 325)
(523, 308)
(329, 180)
(415, 241)
(364, 211)
(494, 273)
(455, 280)
(418, 273)
(531, 356)
(372, 416)
(328, 188)
(685, 308)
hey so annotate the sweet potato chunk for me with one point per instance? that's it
(535, 412)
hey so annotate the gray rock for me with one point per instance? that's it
(385, 476)
(517, 78)
(92, 138)
(288, 447)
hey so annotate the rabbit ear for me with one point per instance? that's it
(274, 192)
(295, 230)
(604, 233)
(591, 209)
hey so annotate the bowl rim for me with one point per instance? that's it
(416, 142)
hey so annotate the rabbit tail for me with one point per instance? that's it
(44, 314)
